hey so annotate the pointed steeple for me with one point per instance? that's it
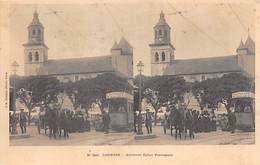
(162, 31)
(123, 43)
(162, 16)
(162, 20)
(241, 45)
(35, 20)
(124, 46)
(250, 45)
(114, 46)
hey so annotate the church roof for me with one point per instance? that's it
(124, 46)
(241, 45)
(162, 21)
(123, 43)
(114, 46)
(203, 66)
(79, 65)
(35, 20)
(250, 45)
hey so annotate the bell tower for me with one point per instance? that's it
(35, 50)
(162, 51)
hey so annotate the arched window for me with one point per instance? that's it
(156, 57)
(163, 56)
(36, 56)
(39, 31)
(33, 32)
(30, 56)
(76, 78)
(165, 33)
(203, 78)
(160, 32)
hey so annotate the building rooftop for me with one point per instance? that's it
(203, 66)
(162, 21)
(35, 20)
(79, 65)
(250, 45)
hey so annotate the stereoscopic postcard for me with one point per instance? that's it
(125, 82)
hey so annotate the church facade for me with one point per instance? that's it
(163, 60)
(120, 60)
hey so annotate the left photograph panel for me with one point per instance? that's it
(63, 92)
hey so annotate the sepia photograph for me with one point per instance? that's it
(146, 73)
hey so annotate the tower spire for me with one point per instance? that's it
(35, 20)
(241, 45)
(161, 15)
(162, 18)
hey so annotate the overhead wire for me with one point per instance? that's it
(237, 16)
(197, 27)
(113, 18)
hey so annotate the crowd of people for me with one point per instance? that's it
(180, 120)
(187, 122)
(194, 121)
(55, 122)
(21, 118)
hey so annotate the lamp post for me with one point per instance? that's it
(140, 66)
(14, 66)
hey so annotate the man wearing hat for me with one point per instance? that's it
(148, 121)
(23, 120)
(232, 120)
(106, 121)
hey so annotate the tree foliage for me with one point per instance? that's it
(35, 90)
(88, 91)
(158, 91)
(219, 90)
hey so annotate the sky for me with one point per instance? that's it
(198, 30)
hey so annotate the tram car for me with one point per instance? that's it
(120, 109)
(244, 106)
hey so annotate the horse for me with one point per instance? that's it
(189, 124)
(52, 121)
(42, 122)
(177, 122)
(63, 124)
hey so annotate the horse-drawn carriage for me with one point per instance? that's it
(179, 121)
(243, 103)
(120, 109)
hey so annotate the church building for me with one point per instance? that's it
(163, 60)
(120, 60)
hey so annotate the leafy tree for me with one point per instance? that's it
(219, 90)
(163, 90)
(88, 91)
(71, 90)
(35, 90)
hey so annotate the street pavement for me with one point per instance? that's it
(127, 138)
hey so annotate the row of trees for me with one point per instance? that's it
(168, 90)
(34, 91)
(158, 91)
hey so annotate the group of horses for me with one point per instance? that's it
(55, 122)
(182, 121)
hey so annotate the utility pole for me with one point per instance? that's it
(14, 65)
(140, 66)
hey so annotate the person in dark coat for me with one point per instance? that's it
(196, 120)
(148, 121)
(23, 120)
(10, 122)
(106, 122)
(164, 123)
(53, 122)
(232, 121)
(189, 124)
